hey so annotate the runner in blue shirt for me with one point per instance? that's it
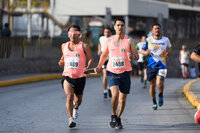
(157, 47)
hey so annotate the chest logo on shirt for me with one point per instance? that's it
(77, 55)
(123, 50)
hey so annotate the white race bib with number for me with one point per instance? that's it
(118, 62)
(162, 72)
(72, 62)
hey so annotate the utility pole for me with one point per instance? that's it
(1, 13)
(11, 16)
(126, 24)
(193, 3)
(108, 16)
(8, 8)
(52, 13)
(29, 19)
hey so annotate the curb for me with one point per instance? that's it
(191, 97)
(41, 78)
(36, 79)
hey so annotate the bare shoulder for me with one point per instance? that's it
(109, 38)
(85, 46)
(131, 40)
(63, 44)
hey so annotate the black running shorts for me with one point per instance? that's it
(78, 84)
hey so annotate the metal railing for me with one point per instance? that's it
(36, 47)
(46, 47)
(34, 4)
(22, 47)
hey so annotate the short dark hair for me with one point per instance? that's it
(108, 27)
(6, 25)
(119, 19)
(74, 26)
(156, 24)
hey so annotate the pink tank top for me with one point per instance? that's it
(74, 61)
(118, 58)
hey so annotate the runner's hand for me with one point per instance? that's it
(99, 53)
(148, 52)
(61, 63)
(86, 71)
(166, 54)
(132, 57)
(96, 70)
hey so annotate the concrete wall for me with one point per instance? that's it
(9, 66)
(50, 65)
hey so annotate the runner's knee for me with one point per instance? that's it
(70, 97)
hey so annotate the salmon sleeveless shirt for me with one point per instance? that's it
(74, 61)
(118, 58)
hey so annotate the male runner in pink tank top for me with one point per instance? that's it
(121, 50)
(73, 60)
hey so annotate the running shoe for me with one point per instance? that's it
(75, 113)
(145, 86)
(142, 79)
(105, 95)
(112, 123)
(109, 93)
(160, 101)
(154, 106)
(72, 123)
(118, 124)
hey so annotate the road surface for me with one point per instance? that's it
(40, 108)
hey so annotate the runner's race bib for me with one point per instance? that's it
(162, 72)
(72, 62)
(118, 62)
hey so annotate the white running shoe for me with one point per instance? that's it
(72, 123)
(75, 113)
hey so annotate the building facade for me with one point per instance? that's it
(178, 18)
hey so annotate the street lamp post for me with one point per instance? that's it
(1, 14)
(29, 19)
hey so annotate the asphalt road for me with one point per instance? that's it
(40, 108)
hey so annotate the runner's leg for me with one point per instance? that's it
(69, 91)
(160, 83)
(183, 70)
(77, 100)
(186, 71)
(105, 84)
(114, 99)
(152, 89)
(122, 103)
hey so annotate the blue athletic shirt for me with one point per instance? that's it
(158, 49)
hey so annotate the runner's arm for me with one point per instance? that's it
(99, 49)
(61, 61)
(103, 57)
(194, 56)
(188, 55)
(169, 48)
(168, 51)
(180, 56)
(88, 53)
(134, 53)
(145, 50)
